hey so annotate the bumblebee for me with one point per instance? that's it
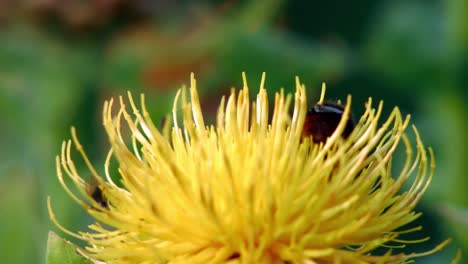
(323, 119)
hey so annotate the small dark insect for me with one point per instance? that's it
(96, 193)
(322, 120)
(99, 197)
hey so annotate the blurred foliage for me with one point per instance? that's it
(60, 59)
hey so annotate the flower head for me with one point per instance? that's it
(250, 189)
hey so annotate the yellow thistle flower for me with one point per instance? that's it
(249, 190)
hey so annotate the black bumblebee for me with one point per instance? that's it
(323, 119)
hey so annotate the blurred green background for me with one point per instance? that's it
(60, 59)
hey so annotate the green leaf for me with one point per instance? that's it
(61, 251)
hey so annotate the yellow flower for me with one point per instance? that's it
(249, 190)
